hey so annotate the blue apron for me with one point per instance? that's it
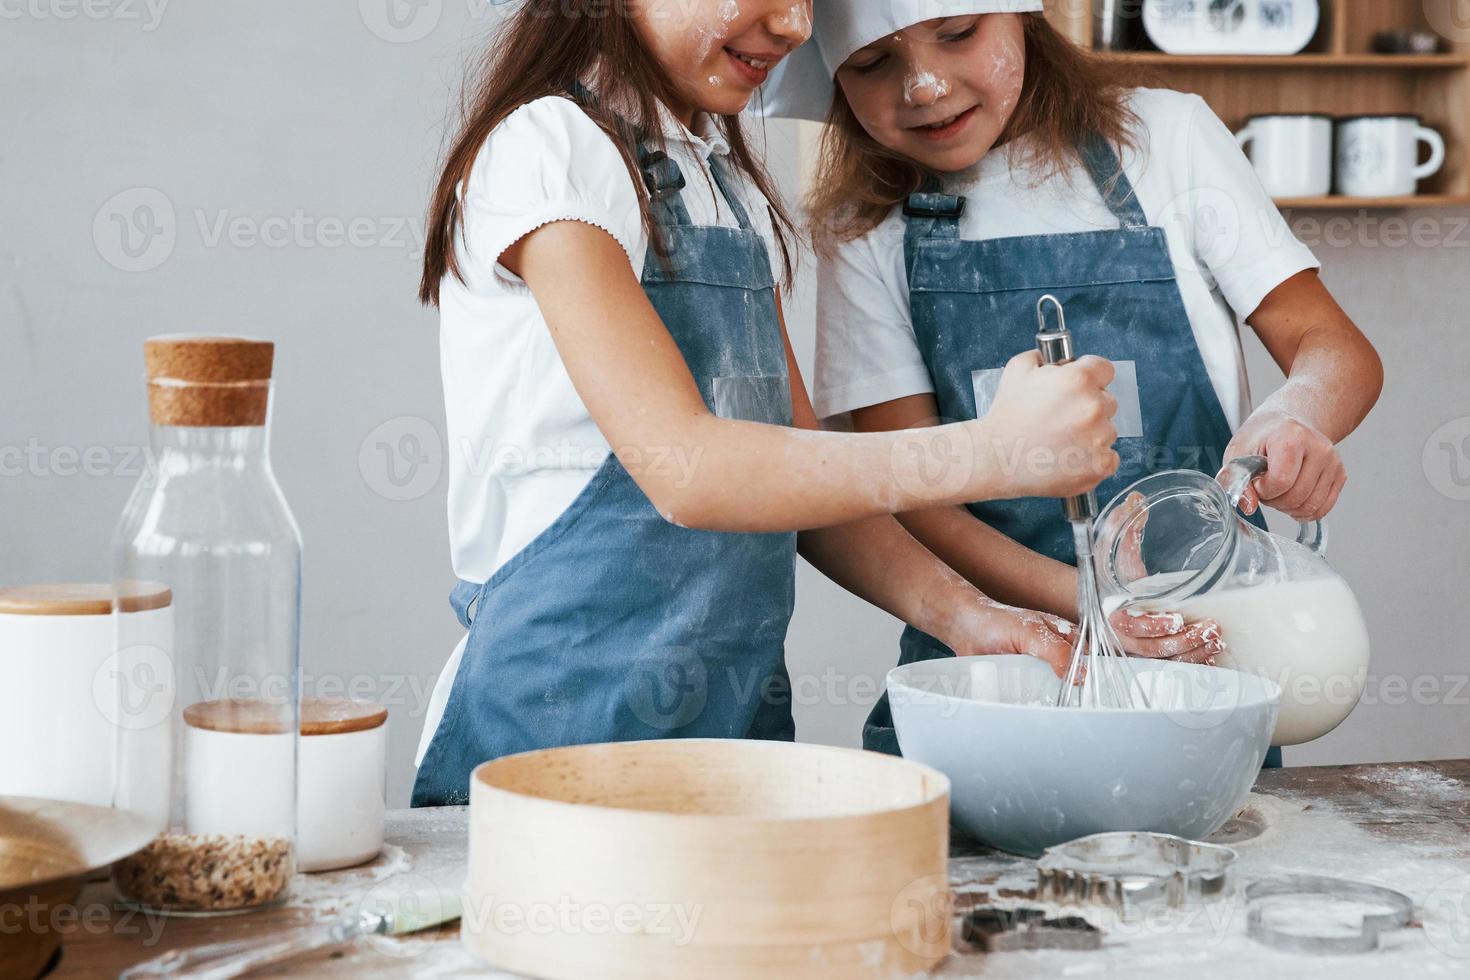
(614, 624)
(974, 308)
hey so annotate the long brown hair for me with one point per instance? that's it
(546, 48)
(1067, 94)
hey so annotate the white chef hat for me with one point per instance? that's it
(801, 87)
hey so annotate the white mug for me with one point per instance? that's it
(1291, 153)
(1378, 156)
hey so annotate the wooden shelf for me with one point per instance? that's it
(1337, 202)
(1305, 62)
(1336, 75)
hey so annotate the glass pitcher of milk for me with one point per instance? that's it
(1175, 542)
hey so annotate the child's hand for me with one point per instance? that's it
(1167, 636)
(1155, 636)
(1051, 428)
(1305, 475)
(987, 627)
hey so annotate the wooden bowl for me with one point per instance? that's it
(47, 848)
(708, 858)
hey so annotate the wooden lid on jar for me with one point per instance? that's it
(82, 598)
(241, 716)
(319, 716)
(208, 381)
(337, 716)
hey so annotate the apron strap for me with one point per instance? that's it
(722, 180)
(465, 597)
(665, 182)
(1106, 171)
(929, 214)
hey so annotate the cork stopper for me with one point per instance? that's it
(81, 598)
(208, 381)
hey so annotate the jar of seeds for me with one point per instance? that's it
(214, 721)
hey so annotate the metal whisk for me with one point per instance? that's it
(1106, 680)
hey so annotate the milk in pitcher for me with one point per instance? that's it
(1306, 635)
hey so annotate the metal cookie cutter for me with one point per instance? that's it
(1018, 930)
(1400, 914)
(1123, 871)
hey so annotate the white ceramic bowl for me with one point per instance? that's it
(1026, 775)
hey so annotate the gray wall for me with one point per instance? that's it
(285, 148)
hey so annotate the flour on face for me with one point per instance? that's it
(924, 85)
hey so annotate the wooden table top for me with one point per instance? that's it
(1404, 826)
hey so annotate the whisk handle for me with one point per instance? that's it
(1055, 345)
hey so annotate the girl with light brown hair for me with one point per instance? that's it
(976, 160)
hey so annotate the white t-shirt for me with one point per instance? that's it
(521, 443)
(1229, 244)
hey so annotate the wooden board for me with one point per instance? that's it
(1353, 821)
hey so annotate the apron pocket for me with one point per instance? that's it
(1129, 420)
(761, 399)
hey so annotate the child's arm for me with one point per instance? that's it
(1013, 573)
(743, 476)
(1334, 378)
(877, 560)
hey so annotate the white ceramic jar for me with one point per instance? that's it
(235, 755)
(342, 770)
(59, 690)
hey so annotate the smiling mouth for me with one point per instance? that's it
(757, 63)
(944, 123)
(943, 128)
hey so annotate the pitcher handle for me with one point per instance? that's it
(1239, 474)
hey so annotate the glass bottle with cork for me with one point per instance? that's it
(207, 744)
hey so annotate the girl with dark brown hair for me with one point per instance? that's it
(632, 451)
(977, 161)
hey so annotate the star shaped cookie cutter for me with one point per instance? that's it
(1128, 870)
(1399, 915)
